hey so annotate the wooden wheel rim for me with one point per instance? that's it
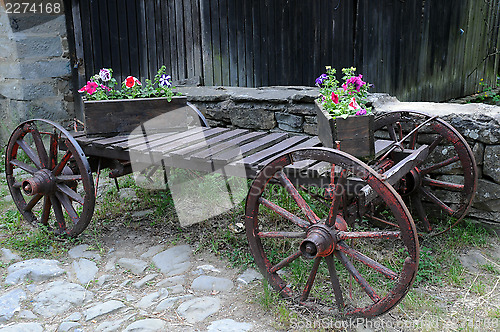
(408, 231)
(55, 200)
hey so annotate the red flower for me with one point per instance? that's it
(130, 81)
(335, 98)
(91, 87)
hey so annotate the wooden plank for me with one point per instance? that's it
(197, 53)
(168, 52)
(133, 37)
(225, 136)
(206, 42)
(257, 47)
(249, 47)
(189, 40)
(151, 38)
(274, 150)
(143, 48)
(311, 142)
(228, 156)
(205, 155)
(224, 42)
(171, 31)
(240, 28)
(181, 43)
(137, 140)
(84, 140)
(319, 169)
(159, 60)
(180, 142)
(167, 138)
(233, 43)
(104, 142)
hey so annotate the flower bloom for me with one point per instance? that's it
(353, 105)
(361, 112)
(105, 74)
(90, 88)
(165, 80)
(335, 98)
(321, 79)
(130, 81)
(107, 88)
(357, 82)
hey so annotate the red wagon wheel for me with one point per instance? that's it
(49, 177)
(367, 271)
(447, 178)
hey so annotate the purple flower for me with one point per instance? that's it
(361, 112)
(105, 74)
(165, 80)
(321, 79)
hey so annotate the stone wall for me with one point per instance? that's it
(291, 109)
(35, 73)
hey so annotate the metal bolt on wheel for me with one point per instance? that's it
(315, 243)
(49, 177)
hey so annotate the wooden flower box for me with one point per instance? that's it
(354, 133)
(122, 116)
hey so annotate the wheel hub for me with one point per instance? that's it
(320, 241)
(42, 182)
(413, 181)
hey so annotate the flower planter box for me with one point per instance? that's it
(122, 116)
(354, 133)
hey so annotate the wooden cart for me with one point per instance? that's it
(306, 203)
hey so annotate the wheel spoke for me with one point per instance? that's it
(56, 205)
(437, 201)
(40, 147)
(65, 159)
(337, 198)
(66, 203)
(439, 165)
(29, 152)
(382, 220)
(357, 276)
(388, 273)
(35, 199)
(443, 184)
(413, 140)
(53, 151)
(284, 213)
(23, 166)
(285, 262)
(310, 215)
(369, 235)
(63, 178)
(45, 211)
(417, 203)
(310, 280)
(69, 192)
(282, 235)
(435, 143)
(334, 279)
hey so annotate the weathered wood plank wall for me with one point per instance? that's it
(416, 50)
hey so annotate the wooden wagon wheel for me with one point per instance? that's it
(430, 181)
(367, 271)
(49, 176)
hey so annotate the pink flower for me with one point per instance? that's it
(107, 88)
(357, 82)
(353, 105)
(90, 88)
(335, 98)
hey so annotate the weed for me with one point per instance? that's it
(428, 269)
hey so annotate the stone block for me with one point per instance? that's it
(478, 150)
(38, 24)
(289, 122)
(311, 119)
(487, 196)
(39, 47)
(302, 109)
(491, 163)
(253, 119)
(28, 89)
(8, 48)
(310, 128)
(31, 70)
